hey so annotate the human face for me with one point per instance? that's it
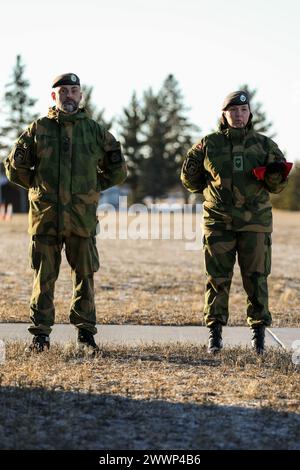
(67, 98)
(237, 116)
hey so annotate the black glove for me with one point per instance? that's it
(275, 167)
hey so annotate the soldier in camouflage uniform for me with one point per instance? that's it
(64, 159)
(236, 168)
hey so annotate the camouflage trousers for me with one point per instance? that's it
(45, 258)
(253, 251)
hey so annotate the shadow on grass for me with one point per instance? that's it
(42, 419)
(191, 355)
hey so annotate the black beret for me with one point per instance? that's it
(236, 98)
(66, 79)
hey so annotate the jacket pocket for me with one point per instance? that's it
(84, 168)
(42, 213)
(84, 213)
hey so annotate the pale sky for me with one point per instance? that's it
(117, 46)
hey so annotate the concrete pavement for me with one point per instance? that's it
(145, 334)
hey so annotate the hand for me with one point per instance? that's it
(279, 167)
(275, 167)
(282, 168)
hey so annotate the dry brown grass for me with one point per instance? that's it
(151, 281)
(158, 397)
(163, 397)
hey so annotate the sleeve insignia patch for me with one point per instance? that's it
(20, 155)
(114, 157)
(192, 166)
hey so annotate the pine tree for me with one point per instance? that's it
(18, 114)
(92, 110)
(260, 121)
(17, 107)
(131, 123)
(180, 132)
(168, 134)
(154, 180)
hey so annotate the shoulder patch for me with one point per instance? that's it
(114, 156)
(192, 166)
(20, 154)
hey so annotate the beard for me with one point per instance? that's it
(69, 106)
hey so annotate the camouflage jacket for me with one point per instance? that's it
(65, 161)
(220, 166)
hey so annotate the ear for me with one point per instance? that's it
(53, 94)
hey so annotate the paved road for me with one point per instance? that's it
(142, 334)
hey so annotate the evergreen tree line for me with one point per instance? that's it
(155, 132)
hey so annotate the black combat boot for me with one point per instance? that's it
(39, 344)
(86, 338)
(215, 343)
(258, 338)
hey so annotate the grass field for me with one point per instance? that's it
(158, 397)
(150, 397)
(151, 281)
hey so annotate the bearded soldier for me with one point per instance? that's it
(236, 168)
(64, 159)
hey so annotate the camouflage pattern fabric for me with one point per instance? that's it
(254, 257)
(65, 161)
(237, 216)
(220, 166)
(45, 258)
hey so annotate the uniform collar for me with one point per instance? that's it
(59, 116)
(236, 135)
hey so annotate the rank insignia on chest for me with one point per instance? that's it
(238, 163)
